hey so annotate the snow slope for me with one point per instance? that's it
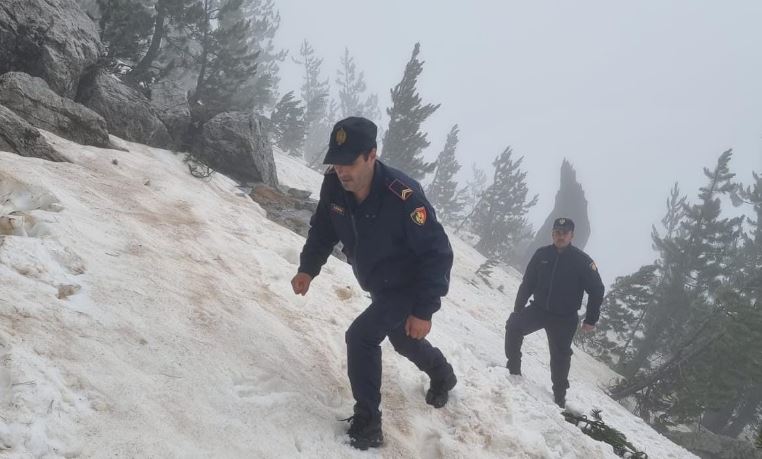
(146, 313)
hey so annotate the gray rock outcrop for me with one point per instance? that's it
(170, 102)
(32, 99)
(53, 40)
(235, 144)
(18, 136)
(128, 112)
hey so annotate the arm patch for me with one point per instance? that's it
(400, 190)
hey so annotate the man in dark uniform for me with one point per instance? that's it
(557, 276)
(398, 252)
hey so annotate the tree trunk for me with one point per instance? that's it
(153, 50)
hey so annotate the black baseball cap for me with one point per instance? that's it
(349, 138)
(563, 224)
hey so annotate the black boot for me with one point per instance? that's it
(560, 400)
(365, 431)
(514, 368)
(438, 392)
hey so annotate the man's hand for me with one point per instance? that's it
(417, 328)
(587, 328)
(301, 283)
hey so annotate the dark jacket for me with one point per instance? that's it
(392, 239)
(558, 281)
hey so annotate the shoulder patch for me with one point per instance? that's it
(419, 216)
(593, 266)
(401, 190)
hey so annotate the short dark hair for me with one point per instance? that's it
(366, 154)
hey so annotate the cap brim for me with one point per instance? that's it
(340, 157)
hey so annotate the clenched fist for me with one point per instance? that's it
(301, 283)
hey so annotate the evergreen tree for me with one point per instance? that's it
(173, 22)
(442, 192)
(473, 192)
(265, 21)
(404, 141)
(570, 202)
(315, 93)
(500, 219)
(226, 62)
(352, 88)
(698, 348)
(758, 442)
(691, 267)
(288, 124)
(622, 313)
(125, 26)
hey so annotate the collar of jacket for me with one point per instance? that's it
(373, 201)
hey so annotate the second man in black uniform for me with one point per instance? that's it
(556, 277)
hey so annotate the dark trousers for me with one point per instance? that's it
(386, 316)
(560, 331)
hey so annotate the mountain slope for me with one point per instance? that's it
(146, 313)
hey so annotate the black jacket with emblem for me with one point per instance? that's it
(558, 281)
(392, 239)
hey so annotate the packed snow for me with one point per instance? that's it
(147, 313)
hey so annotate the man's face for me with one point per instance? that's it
(562, 238)
(357, 177)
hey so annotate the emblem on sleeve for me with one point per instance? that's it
(401, 190)
(419, 216)
(593, 267)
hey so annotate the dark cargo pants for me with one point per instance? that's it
(386, 316)
(560, 331)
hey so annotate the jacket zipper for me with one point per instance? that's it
(355, 265)
(552, 277)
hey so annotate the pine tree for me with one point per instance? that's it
(442, 192)
(227, 63)
(404, 141)
(265, 21)
(570, 202)
(691, 267)
(700, 328)
(624, 307)
(288, 124)
(352, 88)
(315, 94)
(500, 219)
(758, 442)
(172, 25)
(125, 26)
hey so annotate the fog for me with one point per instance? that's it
(637, 95)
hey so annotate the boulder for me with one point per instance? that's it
(170, 101)
(53, 40)
(127, 111)
(18, 136)
(235, 144)
(32, 99)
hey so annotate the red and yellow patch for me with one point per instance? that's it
(419, 216)
(337, 209)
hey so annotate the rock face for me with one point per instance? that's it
(235, 144)
(570, 203)
(18, 136)
(170, 102)
(53, 40)
(128, 113)
(32, 99)
(291, 209)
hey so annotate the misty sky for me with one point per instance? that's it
(637, 95)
